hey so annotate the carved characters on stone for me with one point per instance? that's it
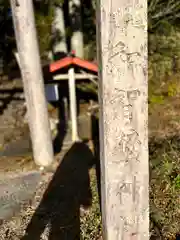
(124, 191)
(120, 50)
(125, 99)
(127, 141)
(130, 145)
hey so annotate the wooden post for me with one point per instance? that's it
(29, 60)
(66, 108)
(122, 48)
(73, 105)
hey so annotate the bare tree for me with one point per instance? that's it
(76, 26)
(160, 10)
(58, 30)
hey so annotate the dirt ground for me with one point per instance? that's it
(35, 220)
(63, 196)
(62, 200)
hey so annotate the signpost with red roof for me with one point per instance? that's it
(70, 63)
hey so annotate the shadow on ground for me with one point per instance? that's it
(68, 190)
(96, 146)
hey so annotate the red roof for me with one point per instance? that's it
(67, 61)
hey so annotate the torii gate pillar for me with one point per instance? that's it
(122, 49)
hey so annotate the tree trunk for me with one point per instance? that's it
(29, 60)
(122, 48)
(76, 26)
(59, 33)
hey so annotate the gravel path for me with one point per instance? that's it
(15, 228)
(62, 197)
(61, 192)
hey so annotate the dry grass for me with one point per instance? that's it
(164, 118)
(164, 142)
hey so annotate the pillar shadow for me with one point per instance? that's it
(62, 118)
(68, 190)
(96, 146)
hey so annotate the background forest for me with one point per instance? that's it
(57, 24)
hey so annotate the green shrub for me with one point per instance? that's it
(176, 182)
